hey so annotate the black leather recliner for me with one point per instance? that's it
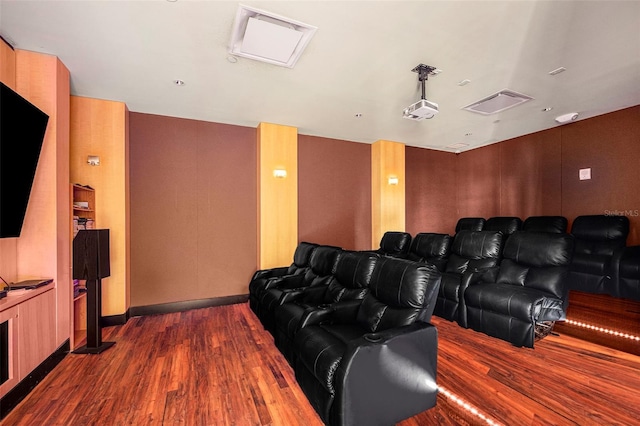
(555, 224)
(394, 243)
(431, 248)
(471, 251)
(373, 362)
(527, 293)
(598, 240)
(627, 273)
(318, 275)
(470, 224)
(350, 281)
(265, 278)
(505, 224)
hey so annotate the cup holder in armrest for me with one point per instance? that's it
(372, 337)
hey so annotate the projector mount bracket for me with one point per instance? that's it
(424, 71)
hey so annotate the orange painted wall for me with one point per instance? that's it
(537, 174)
(430, 191)
(334, 192)
(193, 209)
(530, 175)
(610, 145)
(478, 182)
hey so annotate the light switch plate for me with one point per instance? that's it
(585, 174)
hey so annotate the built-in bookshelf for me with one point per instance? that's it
(84, 216)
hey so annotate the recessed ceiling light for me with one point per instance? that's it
(464, 82)
(557, 71)
(547, 109)
(178, 82)
(232, 59)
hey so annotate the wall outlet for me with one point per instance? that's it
(585, 174)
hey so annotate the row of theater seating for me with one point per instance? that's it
(601, 263)
(347, 321)
(355, 328)
(508, 283)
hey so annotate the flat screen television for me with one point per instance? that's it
(22, 130)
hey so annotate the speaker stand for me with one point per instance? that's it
(94, 345)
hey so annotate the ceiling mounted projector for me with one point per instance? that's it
(423, 108)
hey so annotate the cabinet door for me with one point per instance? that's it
(10, 316)
(37, 328)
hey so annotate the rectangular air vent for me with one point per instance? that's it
(497, 102)
(266, 37)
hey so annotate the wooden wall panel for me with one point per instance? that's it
(334, 179)
(530, 175)
(42, 252)
(8, 246)
(99, 128)
(431, 191)
(387, 201)
(193, 209)
(608, 144)
(277, 196)
(478, 180)
(7, 64)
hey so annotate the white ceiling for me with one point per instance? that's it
(358, 62)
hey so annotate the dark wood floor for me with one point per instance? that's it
(217, 366)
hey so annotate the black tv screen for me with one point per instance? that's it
(22, 129)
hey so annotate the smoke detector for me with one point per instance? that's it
(566, 118)
(422, 109)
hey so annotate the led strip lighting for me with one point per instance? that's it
(603, 330)
(467, 407)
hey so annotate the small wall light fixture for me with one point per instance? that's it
(93, 160)
(280, 173)
(393, 180)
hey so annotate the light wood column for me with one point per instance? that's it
(387, 196)
(43, 249)
(8, 246)
(100, 127)
(277, 195)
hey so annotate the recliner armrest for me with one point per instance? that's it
(270, 273)
(477, 275)
(344, 311)
(386, 377)
(310, 295)
(285, 281)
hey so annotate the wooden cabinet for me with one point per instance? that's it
(84, 216)
(30, 316)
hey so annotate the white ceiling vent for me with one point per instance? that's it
(497, 102)
(267, 37)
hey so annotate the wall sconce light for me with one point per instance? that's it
(280, 173)
(93, 160)
(393, 180)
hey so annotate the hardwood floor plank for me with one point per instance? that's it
(217, 366)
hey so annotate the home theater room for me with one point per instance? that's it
(319, 212)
